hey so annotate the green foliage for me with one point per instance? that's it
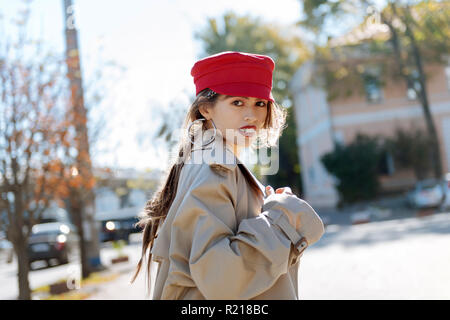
(247, 34)
(289, 173)
(423, 22)
(317, 13)
(356, 168)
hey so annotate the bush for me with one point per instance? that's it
(412, 149)
(356, 168)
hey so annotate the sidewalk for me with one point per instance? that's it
(121, 288)
(112, 283)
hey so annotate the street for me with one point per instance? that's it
(395, 259)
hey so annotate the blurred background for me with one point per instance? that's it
(93, 93)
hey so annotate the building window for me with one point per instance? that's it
(414, 86)
(447, 75)
(339, 137)
(372, 87)
(386, 165)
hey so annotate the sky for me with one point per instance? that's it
(153, 43)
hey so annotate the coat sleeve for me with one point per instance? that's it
(225, 260)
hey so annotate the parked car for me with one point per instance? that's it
(53, 240)
(446, 203)
(428, 193)
(118, 224)
(6, 249)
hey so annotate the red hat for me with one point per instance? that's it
(235, 73)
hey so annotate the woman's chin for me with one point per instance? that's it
(244, 141)
(241, 141)
(247, 143)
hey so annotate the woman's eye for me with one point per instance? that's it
(261, 103)
(240, 103)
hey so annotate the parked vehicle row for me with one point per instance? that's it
(56, 238)
(431, 193)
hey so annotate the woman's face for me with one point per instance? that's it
(239, 119)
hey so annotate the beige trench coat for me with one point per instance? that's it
(221, 241)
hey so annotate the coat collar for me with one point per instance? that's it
(220, 152)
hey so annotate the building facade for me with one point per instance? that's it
(379, 111)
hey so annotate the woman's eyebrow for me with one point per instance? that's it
(226, 97)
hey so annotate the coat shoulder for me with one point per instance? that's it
(221, 161)
(207, 170)
(222, 169)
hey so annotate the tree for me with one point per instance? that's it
(247, 34)
(37, 139)
(417, 33)
(411, 149)
(32, 125)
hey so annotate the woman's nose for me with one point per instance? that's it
(250, 117)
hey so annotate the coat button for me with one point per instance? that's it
(301, 244)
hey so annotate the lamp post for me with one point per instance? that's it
(82, 199)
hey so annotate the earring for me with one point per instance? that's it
(211, 139)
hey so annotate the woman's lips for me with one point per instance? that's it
(248, 131)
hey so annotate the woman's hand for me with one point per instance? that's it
(269, 190)
(299, 213)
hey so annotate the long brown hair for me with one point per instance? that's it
(157, 207)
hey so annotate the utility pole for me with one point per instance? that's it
(82, 199)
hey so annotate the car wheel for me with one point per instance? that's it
(64, 259)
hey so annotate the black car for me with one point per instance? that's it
(118, 224)
(53, 240)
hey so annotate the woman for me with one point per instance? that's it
(212, 227)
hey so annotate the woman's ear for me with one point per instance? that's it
(204, 111)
